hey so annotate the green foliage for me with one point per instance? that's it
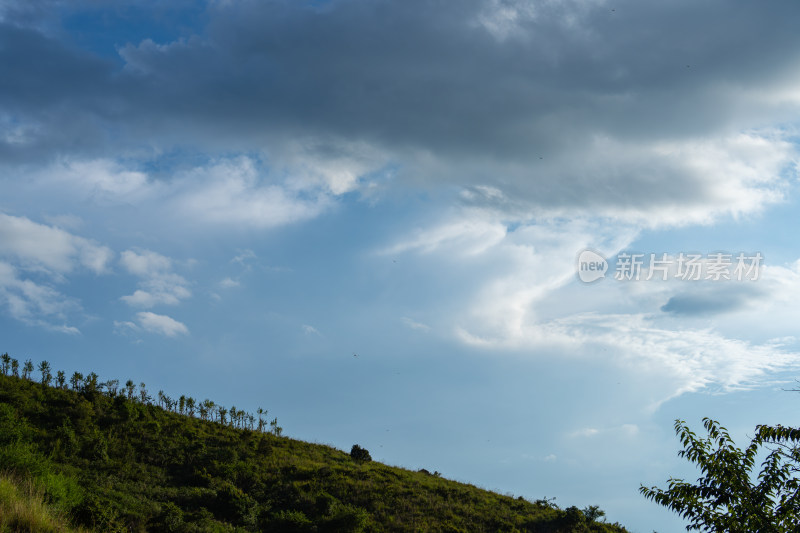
(291, 522)
(118, 460)
(23, 508)
(593, 512)
(726, 496)
(171, 518)
(12, 429)
(24, 460)
(99, 514)
(27, 369)
(67, 444)
(346, 519)
(232, 504)
(360, 454)
(47, 377)
(574, 520)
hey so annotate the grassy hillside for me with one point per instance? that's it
(114, 460)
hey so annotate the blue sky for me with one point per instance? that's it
(228, 199)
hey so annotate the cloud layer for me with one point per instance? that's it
(550, 127)
(34, 260)
(564, 106)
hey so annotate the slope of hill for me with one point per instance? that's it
(115, 461)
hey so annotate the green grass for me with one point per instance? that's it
(23, 509)
(112, 463)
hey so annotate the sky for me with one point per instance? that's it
(368, 218)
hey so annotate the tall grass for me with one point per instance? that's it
(23, 509)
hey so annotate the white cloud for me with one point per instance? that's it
(29, 252)
(33, 303)
(159, 285)
(236, 192)
(683, 359)
(40, 247)
(161, 324)
(244, 256)
(103, 180)
(144, 263)
(650, 183)
(336, 166)
(513, 269)
(586, 432)
(170, 296)
(231, 192)
(523, 298)
(229, 283)
(624, 430)
(125, 325)
(629, 429)
(310, 330)
(467, 235)
(413, 324)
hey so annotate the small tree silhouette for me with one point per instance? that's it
(47, 376)
(360, 454)
(130, 388)
(112, 386)
(27, 368)
(275, 428)
(143, 396)
(90, 383)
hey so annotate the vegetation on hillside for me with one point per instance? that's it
(115, 459)
(22, 508)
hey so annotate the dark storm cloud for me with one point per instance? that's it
(428, 74)
(551, 101)
(55, 95)
(724, 298)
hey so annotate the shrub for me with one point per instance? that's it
(12, 429)
(593, 513)
(171, 518)
(231, 503)
(345, 518)
(574, 519)
(360, 454)
(291, 522)
(100, 513)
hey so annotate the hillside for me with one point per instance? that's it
(113, 459)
